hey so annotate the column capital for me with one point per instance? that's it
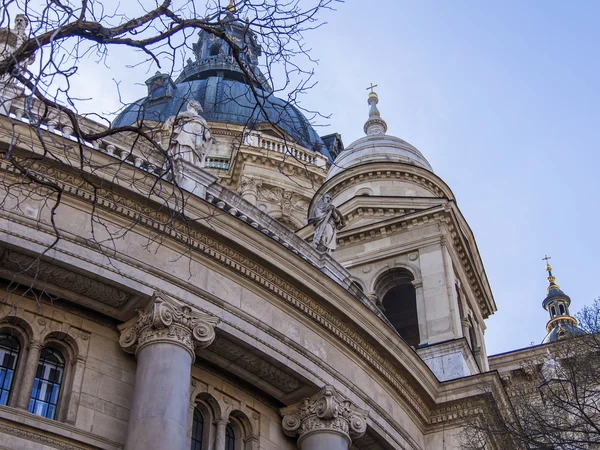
(327, 410)
(165, 320)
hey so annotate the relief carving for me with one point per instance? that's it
(164, 320)
(288, 201)
(255, 365)
(249, 185)
(327, 410)
(49, 274)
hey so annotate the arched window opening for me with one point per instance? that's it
(561, 307)
(229, 438)
(46, 386)
(214, 50)
(400, 303)
(197, 430)
(553, 311)
(9, 353)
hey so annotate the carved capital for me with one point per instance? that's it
(165, 320)
(327, 410)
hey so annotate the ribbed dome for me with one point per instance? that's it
(216, 80)
(377, 146)
(227, 101)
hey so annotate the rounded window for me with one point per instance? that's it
(47, 383)
(9, 353)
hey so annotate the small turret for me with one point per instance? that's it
(561, 324)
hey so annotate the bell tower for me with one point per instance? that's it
(409, 248)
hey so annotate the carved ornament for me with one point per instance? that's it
(249, 185)
(47, 273)
(327, 410)
(255, 365)
(166, 321)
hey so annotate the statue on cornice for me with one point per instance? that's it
(11, 39)
(190, 136)
(327, 220)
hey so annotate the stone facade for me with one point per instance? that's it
(223, 316)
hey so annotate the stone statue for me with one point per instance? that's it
(11, 39)
(326, 219)
(190, 136)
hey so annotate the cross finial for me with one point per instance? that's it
(373, 86)
(546, 258)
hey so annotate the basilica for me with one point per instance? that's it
(254, 286)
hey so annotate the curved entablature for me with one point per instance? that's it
(373, 174)
(240, 251)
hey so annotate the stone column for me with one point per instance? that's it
(163, 337)
(30, 369)
(325, 421)
(220, 435)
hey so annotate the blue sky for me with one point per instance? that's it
(503, 100)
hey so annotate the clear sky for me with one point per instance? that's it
(503, 100)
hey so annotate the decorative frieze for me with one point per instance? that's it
(166, 321)
(327, 410)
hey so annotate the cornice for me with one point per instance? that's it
(248, 268)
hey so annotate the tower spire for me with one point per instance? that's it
(561, 323)
(551, 279)
(374, 124)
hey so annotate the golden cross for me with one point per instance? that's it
(546, 259)
(373, 86)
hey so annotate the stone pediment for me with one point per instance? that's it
(68, 283)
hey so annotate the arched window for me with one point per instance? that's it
(229, 438)
(46, 387)
(214, 50)
(9, 352)
(400, 303)
(197, 430)
(561, 307)
(553, 311)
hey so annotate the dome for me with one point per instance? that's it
(563, 331)
(377, 146)
(227, 101)
(216, 80)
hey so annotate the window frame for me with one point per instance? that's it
(15, 370)
(61, 383)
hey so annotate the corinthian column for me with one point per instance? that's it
(163, 337)
(326, 421)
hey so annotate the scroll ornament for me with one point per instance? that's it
(327, 410)
(166, 321)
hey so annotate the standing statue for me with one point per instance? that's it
(12, 39)
(190, 136)
(326, 219)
